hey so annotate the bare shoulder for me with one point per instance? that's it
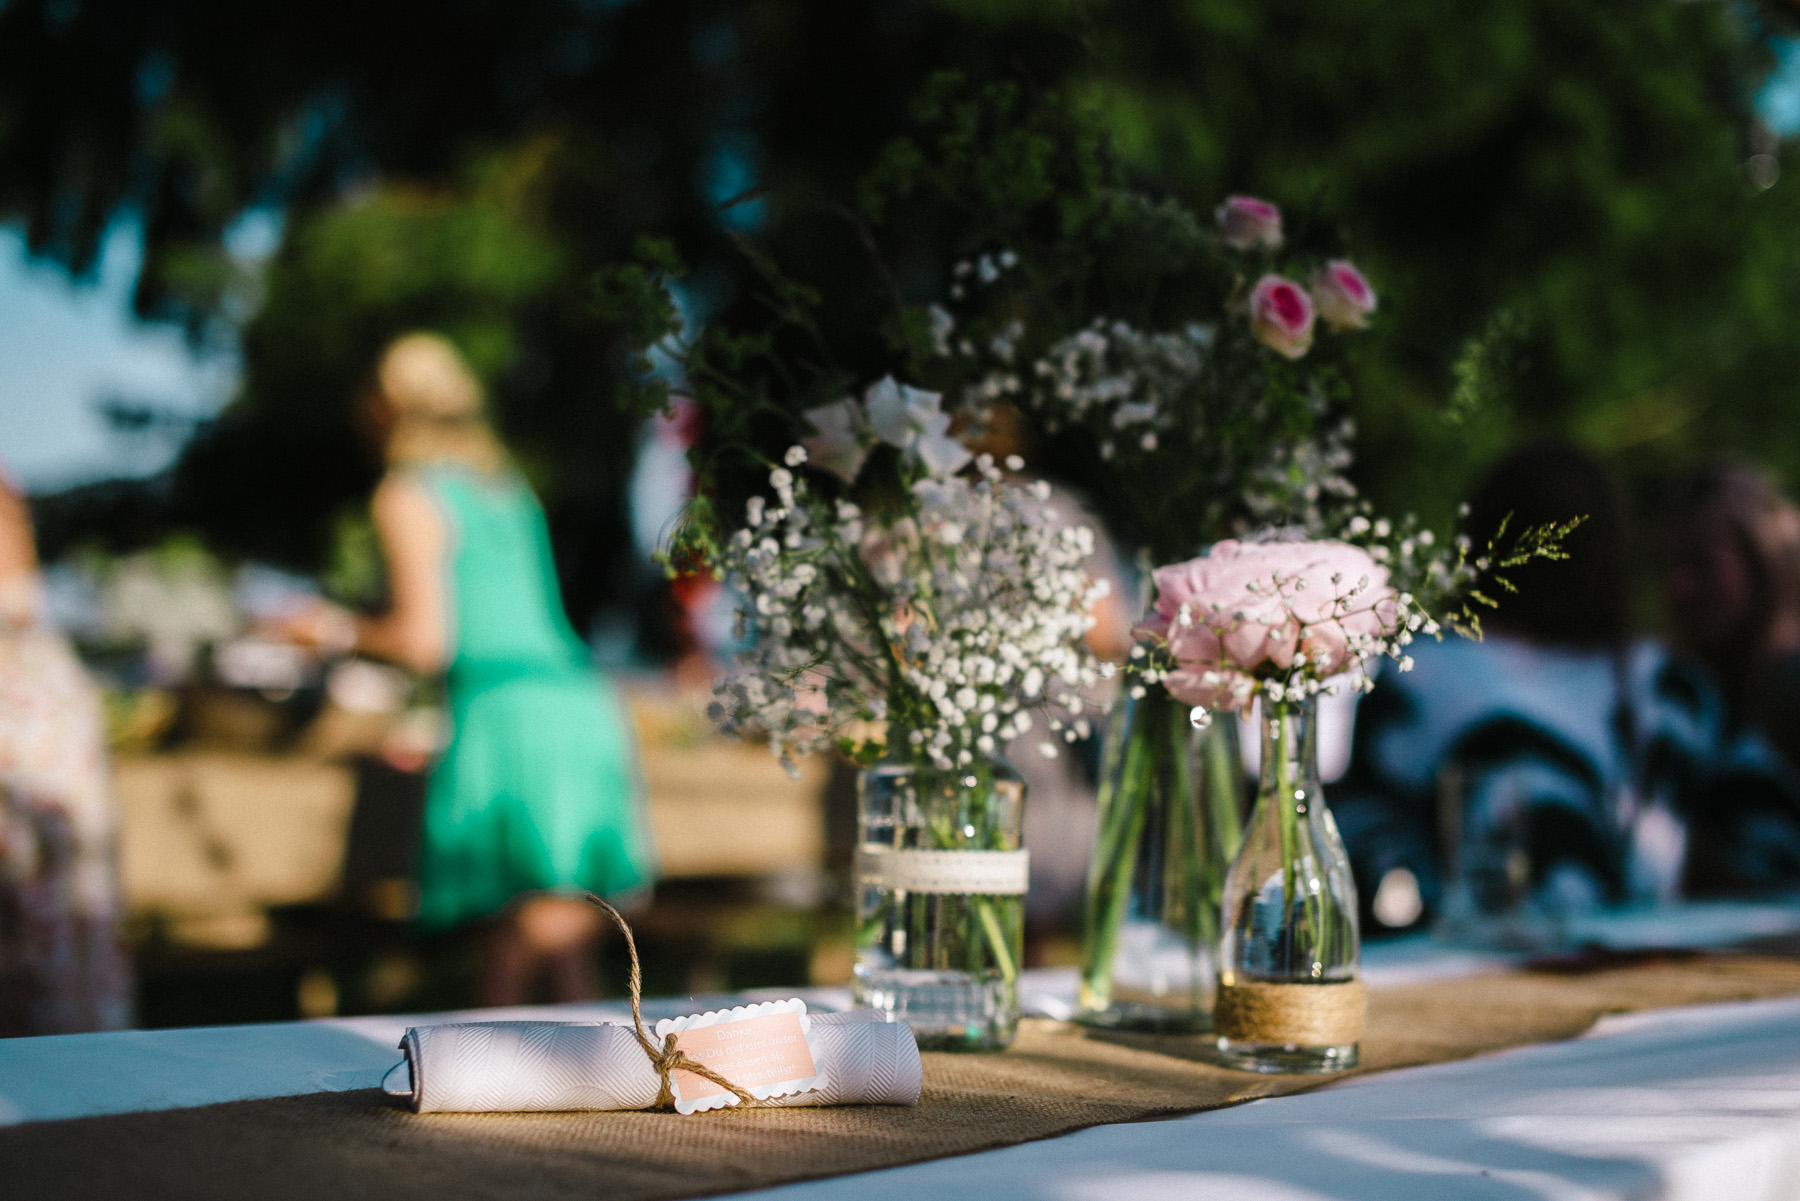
(402, 499)
(401, 490)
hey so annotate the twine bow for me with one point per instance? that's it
(667, 1057)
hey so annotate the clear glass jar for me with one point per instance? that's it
(1168, 823)
(941, 876)
(1290, 990)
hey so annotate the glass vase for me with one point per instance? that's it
(941, 877)
(1167, 826)
(1290, 990)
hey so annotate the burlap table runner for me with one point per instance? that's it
(1055, 1079)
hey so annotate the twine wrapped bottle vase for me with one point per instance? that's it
(940, 877)
(1167, 825)
(1290, 995)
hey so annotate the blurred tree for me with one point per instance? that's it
(1580, 168)
(284, 457)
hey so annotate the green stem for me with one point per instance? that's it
(996, 937)
(1224, 825)
(1184, 908)
(1311, 934)
(944, 834)
(1124, 803)
(1282, 748)
(1222, 795)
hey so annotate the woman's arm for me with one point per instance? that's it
(414, 632)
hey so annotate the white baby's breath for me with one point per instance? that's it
(948, 618)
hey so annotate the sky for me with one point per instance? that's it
(68, 346)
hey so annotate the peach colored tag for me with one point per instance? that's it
(763, 1049)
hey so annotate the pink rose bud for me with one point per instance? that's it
(1344, 298)
(1248, 222)
(1281, 316)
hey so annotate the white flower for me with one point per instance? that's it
(941, 454)
(795, 456)
(896, 411)
(912, 420)
(968, 607)
(942, 326)
(839, 446)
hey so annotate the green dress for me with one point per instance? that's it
(538, 789)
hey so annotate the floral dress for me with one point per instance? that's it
(61, 968)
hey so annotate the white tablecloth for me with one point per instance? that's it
(1677, 1105)
(1680, 1105)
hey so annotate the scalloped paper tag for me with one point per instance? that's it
(767, 1050)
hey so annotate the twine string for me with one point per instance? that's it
(667, 1056)
(1325, 1014)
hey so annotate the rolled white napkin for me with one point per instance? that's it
(495, 1067)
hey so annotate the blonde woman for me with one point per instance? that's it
(536, 797)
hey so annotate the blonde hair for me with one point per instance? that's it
(436, 404)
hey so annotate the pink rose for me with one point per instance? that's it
(1344, 298)
(1248, 222)
(1281, 316)
(1251, 607)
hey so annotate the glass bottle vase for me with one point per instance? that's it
(1167, 825)
(1290, 989)
(941, 874)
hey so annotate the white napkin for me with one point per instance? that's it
(494, 1067)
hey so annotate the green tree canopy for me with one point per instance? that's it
(1567, 180)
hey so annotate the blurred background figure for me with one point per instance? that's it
(1731, 572)
(536, 797)
(1559, 762)
(61, 967)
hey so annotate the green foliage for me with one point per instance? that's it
(353, 278)
(284, 465)
(1487, 370)
(353, 573)
(993, 155)
(1576, 166)
(634, 296)
(1033, 180)
(1498, 560)
(634, 299)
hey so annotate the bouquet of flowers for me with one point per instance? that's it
(929, 622)
(1191, 421)
(933, 623)
(1222, 421)
(1280, 622)
(1283, 620)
